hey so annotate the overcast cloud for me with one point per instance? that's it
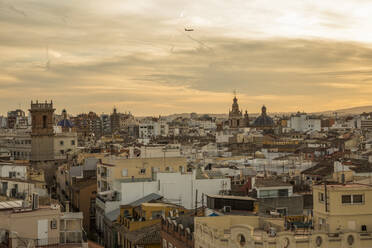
(135, 55)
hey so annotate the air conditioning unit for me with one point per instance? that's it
(227, 209)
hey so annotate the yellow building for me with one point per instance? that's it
(110, 169)
(136, 221)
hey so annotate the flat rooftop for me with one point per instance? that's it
(233, 197)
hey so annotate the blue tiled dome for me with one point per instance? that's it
(65, 123)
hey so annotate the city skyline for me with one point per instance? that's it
(136, 56)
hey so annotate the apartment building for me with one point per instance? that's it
(341, 218)
(38, 226)
(110, 169)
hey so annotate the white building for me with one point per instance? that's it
(176, 188)
(179, 188)
(3, 122)
(157, 151)
(153, 129)
(301, 122)
(11, 170)
(17, 142)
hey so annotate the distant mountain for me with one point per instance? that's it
(347, 111)
(340, 112)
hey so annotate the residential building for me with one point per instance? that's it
(342, 207)
(145, 216)
(37, 226)
(112, 168)
(177, 231)
(301, 122)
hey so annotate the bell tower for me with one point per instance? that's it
(42, 133)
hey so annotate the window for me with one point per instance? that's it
(61, 142)
(62, 151)
(124, 172)
(72, 142)
(352, 199)
(346, 199)
(357, 199)
(321, 197)
(142, 171)
(53, 224)
(241, 240)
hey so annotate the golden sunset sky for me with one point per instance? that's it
(135, 55)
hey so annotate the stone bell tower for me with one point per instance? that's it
(42, 133)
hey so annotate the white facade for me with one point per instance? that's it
(18, 142)
(64, 143)
(13, 171)
(303, 123)
(153, 129)
(169, 151)
(3, 122)
(176, 188)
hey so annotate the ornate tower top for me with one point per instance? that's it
(263, 110)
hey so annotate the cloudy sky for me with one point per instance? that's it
(135, 55)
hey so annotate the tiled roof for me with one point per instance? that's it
(323, 168)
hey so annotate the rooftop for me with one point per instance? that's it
(148, 198)
(232, 197)
(270, 182)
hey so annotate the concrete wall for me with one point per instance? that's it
(293, 205)
(26, 224)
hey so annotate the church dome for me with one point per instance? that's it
(263, 120)
(65, 123)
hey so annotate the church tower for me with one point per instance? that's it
(235, 115)
(42, 132)
(246, 119)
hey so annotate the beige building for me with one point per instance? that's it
(111, 168)
(39, 226)
(342, 207)
(342, 219)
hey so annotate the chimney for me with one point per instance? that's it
(67, 206)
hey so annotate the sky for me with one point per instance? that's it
(92, 55)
